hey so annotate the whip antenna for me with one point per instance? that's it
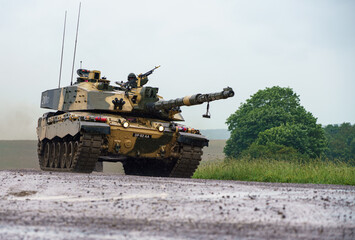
(76, 40)
(61, 57)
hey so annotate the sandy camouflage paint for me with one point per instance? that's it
(109, 123)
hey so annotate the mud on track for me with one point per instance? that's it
(50, 205)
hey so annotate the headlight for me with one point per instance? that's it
(161, 128)
(125, 124)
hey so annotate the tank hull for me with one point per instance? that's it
(81, 141)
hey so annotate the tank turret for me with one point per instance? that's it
(92, 93)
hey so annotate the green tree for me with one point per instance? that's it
(274, 115)
(341, 141)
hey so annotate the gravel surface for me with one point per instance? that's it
(51, 205)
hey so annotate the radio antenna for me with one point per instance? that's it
(61, 57)
(76, 40)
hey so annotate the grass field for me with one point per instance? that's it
(261, 170)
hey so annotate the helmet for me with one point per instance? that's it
(132, 75)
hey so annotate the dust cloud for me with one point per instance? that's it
(18, 122)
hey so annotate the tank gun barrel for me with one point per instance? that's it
(191, 100)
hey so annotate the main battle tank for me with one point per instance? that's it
(129, 123)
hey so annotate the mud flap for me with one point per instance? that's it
(193, 139)
(95, 128)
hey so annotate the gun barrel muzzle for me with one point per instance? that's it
(191, 100)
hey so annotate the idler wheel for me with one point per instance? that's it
(47, 154)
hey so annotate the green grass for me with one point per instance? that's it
(261, 170)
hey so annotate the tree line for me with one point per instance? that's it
(273, 124)
(341, 141)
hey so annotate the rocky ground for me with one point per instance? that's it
(51, 205)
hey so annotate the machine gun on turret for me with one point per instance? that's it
(142, 77)
(135, 82)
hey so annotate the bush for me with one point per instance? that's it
(306, 140)
(272, 151)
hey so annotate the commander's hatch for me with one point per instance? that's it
(90, 76)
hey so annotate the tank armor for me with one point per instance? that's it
(130, 123)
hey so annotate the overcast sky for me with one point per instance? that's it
(202, 46)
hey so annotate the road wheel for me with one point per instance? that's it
(52, 155)
(69, 154)
(47, 154)
(57, 156)
(78, 155)
(63, 160)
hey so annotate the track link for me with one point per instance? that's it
(183, 167)
(188, 162)
(70, 155)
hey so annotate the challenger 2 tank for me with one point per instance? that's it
(130, 123)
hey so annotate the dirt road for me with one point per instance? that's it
(50, 205)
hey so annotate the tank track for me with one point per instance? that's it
(74, 154)
(187, 163)
(183, 167)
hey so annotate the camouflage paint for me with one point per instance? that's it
(141, 139)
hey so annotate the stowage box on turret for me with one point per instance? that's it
(129, 123)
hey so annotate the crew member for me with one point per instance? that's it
(132, 81)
